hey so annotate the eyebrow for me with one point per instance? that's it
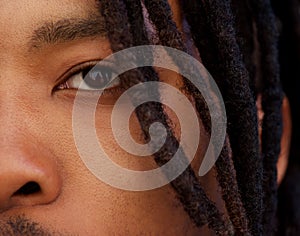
(65, 30)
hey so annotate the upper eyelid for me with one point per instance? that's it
(92, 64)
(84, 65)
(74, 70)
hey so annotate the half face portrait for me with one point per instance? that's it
(94, 142)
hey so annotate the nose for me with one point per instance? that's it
(28, 176)
(29, 171)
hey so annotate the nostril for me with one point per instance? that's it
(28, 189)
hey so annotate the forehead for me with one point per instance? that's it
(37, 9)
(19, 18)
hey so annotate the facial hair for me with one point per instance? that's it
(20, 226)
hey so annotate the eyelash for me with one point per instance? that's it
(87, 67)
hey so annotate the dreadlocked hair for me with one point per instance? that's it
(288, 12)
(226, 46)
(215, 37)
(160, 15)
(272, 97)
(187, 186)
(224, 166)
(245, 39)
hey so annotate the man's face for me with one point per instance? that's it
(44, 45)
(45, 188)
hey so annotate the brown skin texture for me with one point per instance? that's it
(37, 143)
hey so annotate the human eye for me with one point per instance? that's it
(90, 76)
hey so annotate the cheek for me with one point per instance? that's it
(106, 209)
(120, 154)
(285, 141)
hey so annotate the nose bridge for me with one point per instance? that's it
(21, 114)
(12, 122)
(16, 107)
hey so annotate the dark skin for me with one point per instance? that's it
(37, 143)
(39, 146)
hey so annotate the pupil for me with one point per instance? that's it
(97, 78)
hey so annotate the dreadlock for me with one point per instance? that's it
(190, 192)
(226, 46)
(225, 170)
(289, 54)
(271, 102)
(160, 14)
(223, 58)
(245, 38)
